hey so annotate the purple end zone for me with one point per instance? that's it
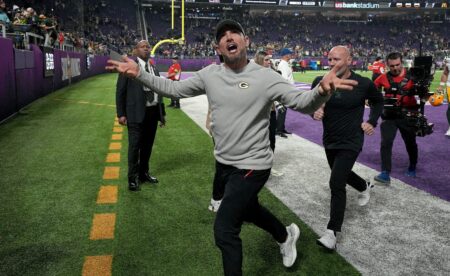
(434, 150)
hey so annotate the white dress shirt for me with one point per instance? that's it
(142, 63)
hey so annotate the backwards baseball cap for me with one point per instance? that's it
(285, 51)
(227, 25)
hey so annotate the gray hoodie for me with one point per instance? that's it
(240, 103)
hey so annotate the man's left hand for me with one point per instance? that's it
(331, 82)
(368, 128)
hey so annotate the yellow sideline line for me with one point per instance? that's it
(116, 137)
(113, 157)
(84, 102)
(115, 146)
(117, 129)
(97, 266)
(103, 225)
(107, 194)
(111, 173)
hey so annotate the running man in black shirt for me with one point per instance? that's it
(343, 138)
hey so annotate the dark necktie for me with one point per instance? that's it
(149, 94)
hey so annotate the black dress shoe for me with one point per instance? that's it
(286, 132)
(148, 178)
(133, 185)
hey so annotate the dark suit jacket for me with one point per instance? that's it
(130, 100)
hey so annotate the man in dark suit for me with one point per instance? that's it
(140, 109)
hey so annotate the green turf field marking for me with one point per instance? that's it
(117, 129)
(103, 226)
(83, 102)
(111, 173)
(97, 266)
(107, 195)
(116, 137)
(115, 146)
(113, 157)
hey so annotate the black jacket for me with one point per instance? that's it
(130, 100)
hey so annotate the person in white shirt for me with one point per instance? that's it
(286, 72)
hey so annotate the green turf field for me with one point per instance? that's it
(52, 162)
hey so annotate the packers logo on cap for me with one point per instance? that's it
(243, 85)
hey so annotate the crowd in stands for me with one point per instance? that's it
(97, 26)
(313, 36)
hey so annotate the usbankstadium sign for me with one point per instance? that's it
(356, 5)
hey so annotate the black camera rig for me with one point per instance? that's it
(421, 74)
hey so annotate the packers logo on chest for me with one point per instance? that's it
(243, 85)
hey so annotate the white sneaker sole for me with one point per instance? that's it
(294, 246)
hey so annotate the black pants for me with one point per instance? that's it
(239, 204)
(341, 163)
(281, 119)
(448, 112)
(175, 102)
(140, 142)
(220, 177)
(388, 133)
(272, 129)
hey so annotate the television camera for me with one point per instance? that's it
(421, 74)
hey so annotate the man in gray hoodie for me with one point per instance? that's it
(240, 94)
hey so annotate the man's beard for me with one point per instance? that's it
(235, 60)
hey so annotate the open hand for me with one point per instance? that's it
(127, 66)
(330, 82)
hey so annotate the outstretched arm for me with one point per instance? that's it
(191, 87)
(309, 101)
(127, 67)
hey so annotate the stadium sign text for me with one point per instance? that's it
(355, 5)
(304, 3)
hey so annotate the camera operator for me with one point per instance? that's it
(399, 104)
(446, 81)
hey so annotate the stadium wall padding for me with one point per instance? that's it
(22, 78)
(7, 79)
